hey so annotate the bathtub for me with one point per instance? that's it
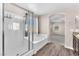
(39, 41)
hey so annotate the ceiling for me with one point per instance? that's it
(47, 8)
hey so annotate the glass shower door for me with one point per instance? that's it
(16, 32)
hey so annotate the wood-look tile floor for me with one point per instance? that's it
(52, 49)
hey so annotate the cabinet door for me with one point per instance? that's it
(14, 42)
(74, 42)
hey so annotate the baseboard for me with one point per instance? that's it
(68, 47)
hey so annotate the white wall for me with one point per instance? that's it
(69, 26)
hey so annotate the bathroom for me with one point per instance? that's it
(20, 35)
(25, 28)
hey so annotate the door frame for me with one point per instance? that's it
(50, 25)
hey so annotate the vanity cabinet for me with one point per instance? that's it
(76, 45)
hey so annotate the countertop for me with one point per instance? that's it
(76, 34)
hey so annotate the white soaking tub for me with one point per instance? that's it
(39, 41)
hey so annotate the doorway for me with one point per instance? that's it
(57, 28)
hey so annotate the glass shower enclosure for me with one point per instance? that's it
(18, 33)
